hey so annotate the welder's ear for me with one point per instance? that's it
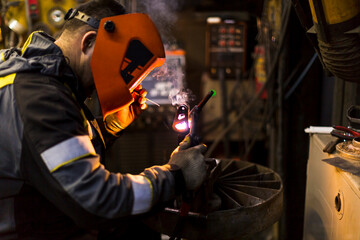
(88, 42)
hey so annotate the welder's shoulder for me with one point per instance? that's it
(31, 82)
(48, 109)
(33, 90)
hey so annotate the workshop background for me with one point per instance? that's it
(277, 66)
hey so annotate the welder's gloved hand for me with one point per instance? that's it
(119, 120)
(191, 161)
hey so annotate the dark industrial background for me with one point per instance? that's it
(299, 92)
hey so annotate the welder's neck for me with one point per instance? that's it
(70, 48)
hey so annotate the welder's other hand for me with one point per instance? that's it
(191, 161)
(139, 95)
(121, 119)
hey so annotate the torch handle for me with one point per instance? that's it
(204, 101)
(188, 197)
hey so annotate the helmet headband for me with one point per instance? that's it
(74, 13)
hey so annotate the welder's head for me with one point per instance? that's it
(127, 48)
(97, 10)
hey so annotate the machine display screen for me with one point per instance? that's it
(161, 81)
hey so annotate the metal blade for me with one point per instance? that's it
(345, 165)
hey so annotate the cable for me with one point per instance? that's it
(301, 77)
(258, 94)
(272, 110)
(254, 136)
(292, 74)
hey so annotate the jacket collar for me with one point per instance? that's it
(40, 54)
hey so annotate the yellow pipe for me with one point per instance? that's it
(337, 11)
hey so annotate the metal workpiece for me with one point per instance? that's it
(246, 198)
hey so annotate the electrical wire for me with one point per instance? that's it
(301, 77)
(208, 127)
(267, 115)
(292, 74)
(252, 141)
(269, 79)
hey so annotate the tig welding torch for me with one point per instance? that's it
(194, 114)
(187, 122)
(181, 120)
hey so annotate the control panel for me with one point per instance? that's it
(225, 46)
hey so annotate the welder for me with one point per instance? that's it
(52, 182)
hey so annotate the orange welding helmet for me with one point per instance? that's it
(127, 48)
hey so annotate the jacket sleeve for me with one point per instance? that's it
(60, 161)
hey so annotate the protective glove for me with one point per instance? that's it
(119, 120)
(191, 161)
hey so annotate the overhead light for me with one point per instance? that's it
(213, 20)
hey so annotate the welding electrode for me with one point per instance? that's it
(153, 102)
(149, 100)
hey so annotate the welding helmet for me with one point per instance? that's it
(127, 48)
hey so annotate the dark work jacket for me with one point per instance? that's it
(52, 184)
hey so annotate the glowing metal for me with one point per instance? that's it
(182, 126)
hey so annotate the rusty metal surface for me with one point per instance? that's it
(346, 165)
(251, 200)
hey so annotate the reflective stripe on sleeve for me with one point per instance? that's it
(68, 151)
(142, 194)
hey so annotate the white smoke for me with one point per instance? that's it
(181, 96)
(164, 15)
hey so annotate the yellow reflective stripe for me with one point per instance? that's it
(72, 160)
(9, 79)
(2, 57)
(28, 41)
(86, 122)
(26, 44)
(91, 134)
(67, 151)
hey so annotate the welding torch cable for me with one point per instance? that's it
(269, 79)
